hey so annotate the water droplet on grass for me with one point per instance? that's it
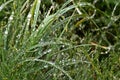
(11, 18)
(1, 8)
(73, 60)
(46, 66)
(29, 16)
(6, 32)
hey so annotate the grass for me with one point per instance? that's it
(74, 40)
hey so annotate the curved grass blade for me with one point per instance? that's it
(52, 64)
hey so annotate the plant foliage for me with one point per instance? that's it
(59, 40)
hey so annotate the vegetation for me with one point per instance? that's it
(59, 40)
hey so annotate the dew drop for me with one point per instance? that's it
(29, 16)
(49, 50)
(73, 60)
(11, 18)
(1, 8)
(6, 32)
(46, 66)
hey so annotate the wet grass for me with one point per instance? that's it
(74, 40)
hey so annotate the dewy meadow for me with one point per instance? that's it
(59, 40)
